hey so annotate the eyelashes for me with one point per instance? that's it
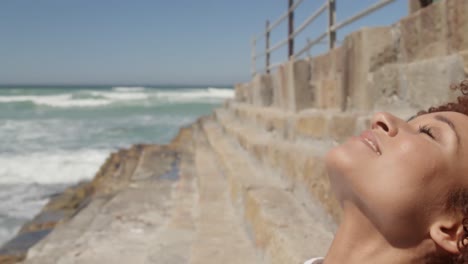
(426, 130)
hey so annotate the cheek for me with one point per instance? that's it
(393, 189)
(413, 164)
(402, 173)
(406, 148)
(406, 179)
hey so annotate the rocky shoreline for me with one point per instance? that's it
(114, 175)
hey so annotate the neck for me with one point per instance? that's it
(358, 241)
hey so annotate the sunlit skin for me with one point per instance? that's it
(394, 201)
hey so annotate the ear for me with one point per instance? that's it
(445, 233)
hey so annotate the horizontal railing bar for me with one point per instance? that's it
(310, 19)
(278, 45)
(307, 22)
(361, 14)
(260, 55)
(272, 66)
(284, 16)
(310, 44)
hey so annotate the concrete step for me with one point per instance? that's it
(299, 163)
(322, 124)
(149, 221)
(281, 227)
(220, 236)
(270, 119)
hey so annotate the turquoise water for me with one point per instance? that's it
(51, 137)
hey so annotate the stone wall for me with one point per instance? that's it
(428, 48)
(402, 68)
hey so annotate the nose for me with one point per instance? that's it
(386, 122)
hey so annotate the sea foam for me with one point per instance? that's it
(196, 95)
(128, 89)
(63, 100)
(56, 167)
(133, 95)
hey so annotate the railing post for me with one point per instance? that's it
(267, 52)
(291, 30)
(331, 23)
(254, 63)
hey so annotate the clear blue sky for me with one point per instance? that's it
(152, 41)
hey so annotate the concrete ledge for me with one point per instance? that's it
(283, 228)
(300, 91)
(342, 126)
(262, 90)
(360, 48)
(327, 65)
(287, 158)
(329, 93)
(327, 79)
(326, 124)
(417, 85)
(240, 92)
(424, 34)
(314, 124)
(428, 81)
(280, 226)
(217, 220)
(280, 87)
(268, 118)
(457, 24)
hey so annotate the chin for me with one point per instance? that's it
(340, 159)
(341, 163)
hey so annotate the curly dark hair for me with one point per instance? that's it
(457, 200)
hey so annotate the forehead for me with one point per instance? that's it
(459, 120)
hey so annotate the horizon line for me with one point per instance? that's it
(114, 84)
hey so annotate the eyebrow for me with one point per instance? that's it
(451, 125)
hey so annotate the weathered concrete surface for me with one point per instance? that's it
(437, 30)
(456, 11)
(416, 85)
(435, 76)
(329, 124)
(220, 235)
(281, 226)
(327, 79)
(244, 92)
(358, 50)
(64, 206)
(312, 124)
(262, 87)
(270, 118)
(289, 159)
(145, 216)
(425, 33)
(329, 93)
(280, 88)
(240, 92)
(300, 91)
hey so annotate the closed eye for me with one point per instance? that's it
(426, 130)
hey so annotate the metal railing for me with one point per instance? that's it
(333, 27)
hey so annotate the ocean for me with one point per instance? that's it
(53, 137)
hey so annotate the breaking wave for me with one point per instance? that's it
(100, 98)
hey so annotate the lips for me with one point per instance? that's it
(369, 139)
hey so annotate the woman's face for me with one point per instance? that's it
(398, 173)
